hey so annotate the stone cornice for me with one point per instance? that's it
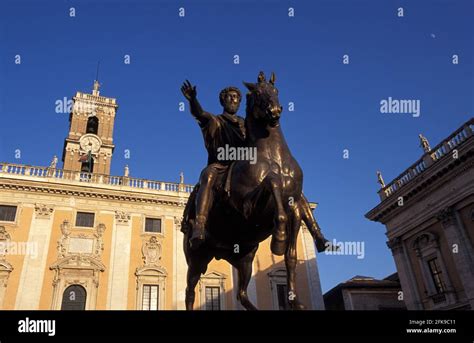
(87, 191)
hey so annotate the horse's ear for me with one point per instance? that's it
(250, 86)
(261, 77)
(272, 78)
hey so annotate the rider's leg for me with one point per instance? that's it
(204, 200)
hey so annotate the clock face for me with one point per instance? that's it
(90, 143)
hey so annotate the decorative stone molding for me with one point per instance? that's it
(76, 269)
(446, 216)
(5, 270)
(4, 235)
(151, 251)
(79, 263)
(4, 240)
(43, 211)
(149, 275)
(106, 194)
(424, 241)
(122, 217)
(395, 244)
(83, 244)
(177, 222)
(99, 242)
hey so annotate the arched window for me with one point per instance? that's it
(92, 125)
(74, 298)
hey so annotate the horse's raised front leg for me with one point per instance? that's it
(274, 184)
(244, 269)
(291, 258)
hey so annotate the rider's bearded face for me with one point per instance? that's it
(231, 102)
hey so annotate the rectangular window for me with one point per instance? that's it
(85, 219)
(213, 298)
(7, 213)
(436, 275)
(153, 225)
(282, 293)
(150, 298)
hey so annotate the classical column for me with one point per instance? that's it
(463, 256)
(409, 287)
(180, 266)
(5, 267)
(34, 266)
(117, 292)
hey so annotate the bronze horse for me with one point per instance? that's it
(265, 199)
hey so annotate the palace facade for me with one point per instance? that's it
(77, 237)
(428, 211)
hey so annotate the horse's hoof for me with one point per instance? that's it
(297, 306)
(323, 245)
(278, 247)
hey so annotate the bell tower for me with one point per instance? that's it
(89, 144)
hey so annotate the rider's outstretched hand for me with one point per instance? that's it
(189, 91)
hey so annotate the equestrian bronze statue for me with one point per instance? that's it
(239, 203)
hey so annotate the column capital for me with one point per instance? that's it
(43, 211)
(395, 244)
(446, 216)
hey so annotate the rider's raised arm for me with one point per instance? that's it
(201, 116)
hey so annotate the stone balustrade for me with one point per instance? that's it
(444, 148)
(46, 173)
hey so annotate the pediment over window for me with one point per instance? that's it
(277, 273)
(5, 266)
(425, 240)
(151, 271)
(214, 275)
(78, 262)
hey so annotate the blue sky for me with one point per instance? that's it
(337, 106)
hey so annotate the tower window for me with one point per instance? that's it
(7, 213)
(92, 125)
(85, 219)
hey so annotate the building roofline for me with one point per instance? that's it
(431, 167)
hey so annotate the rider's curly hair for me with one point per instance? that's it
(224, 92)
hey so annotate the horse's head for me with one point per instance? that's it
(262, 100)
